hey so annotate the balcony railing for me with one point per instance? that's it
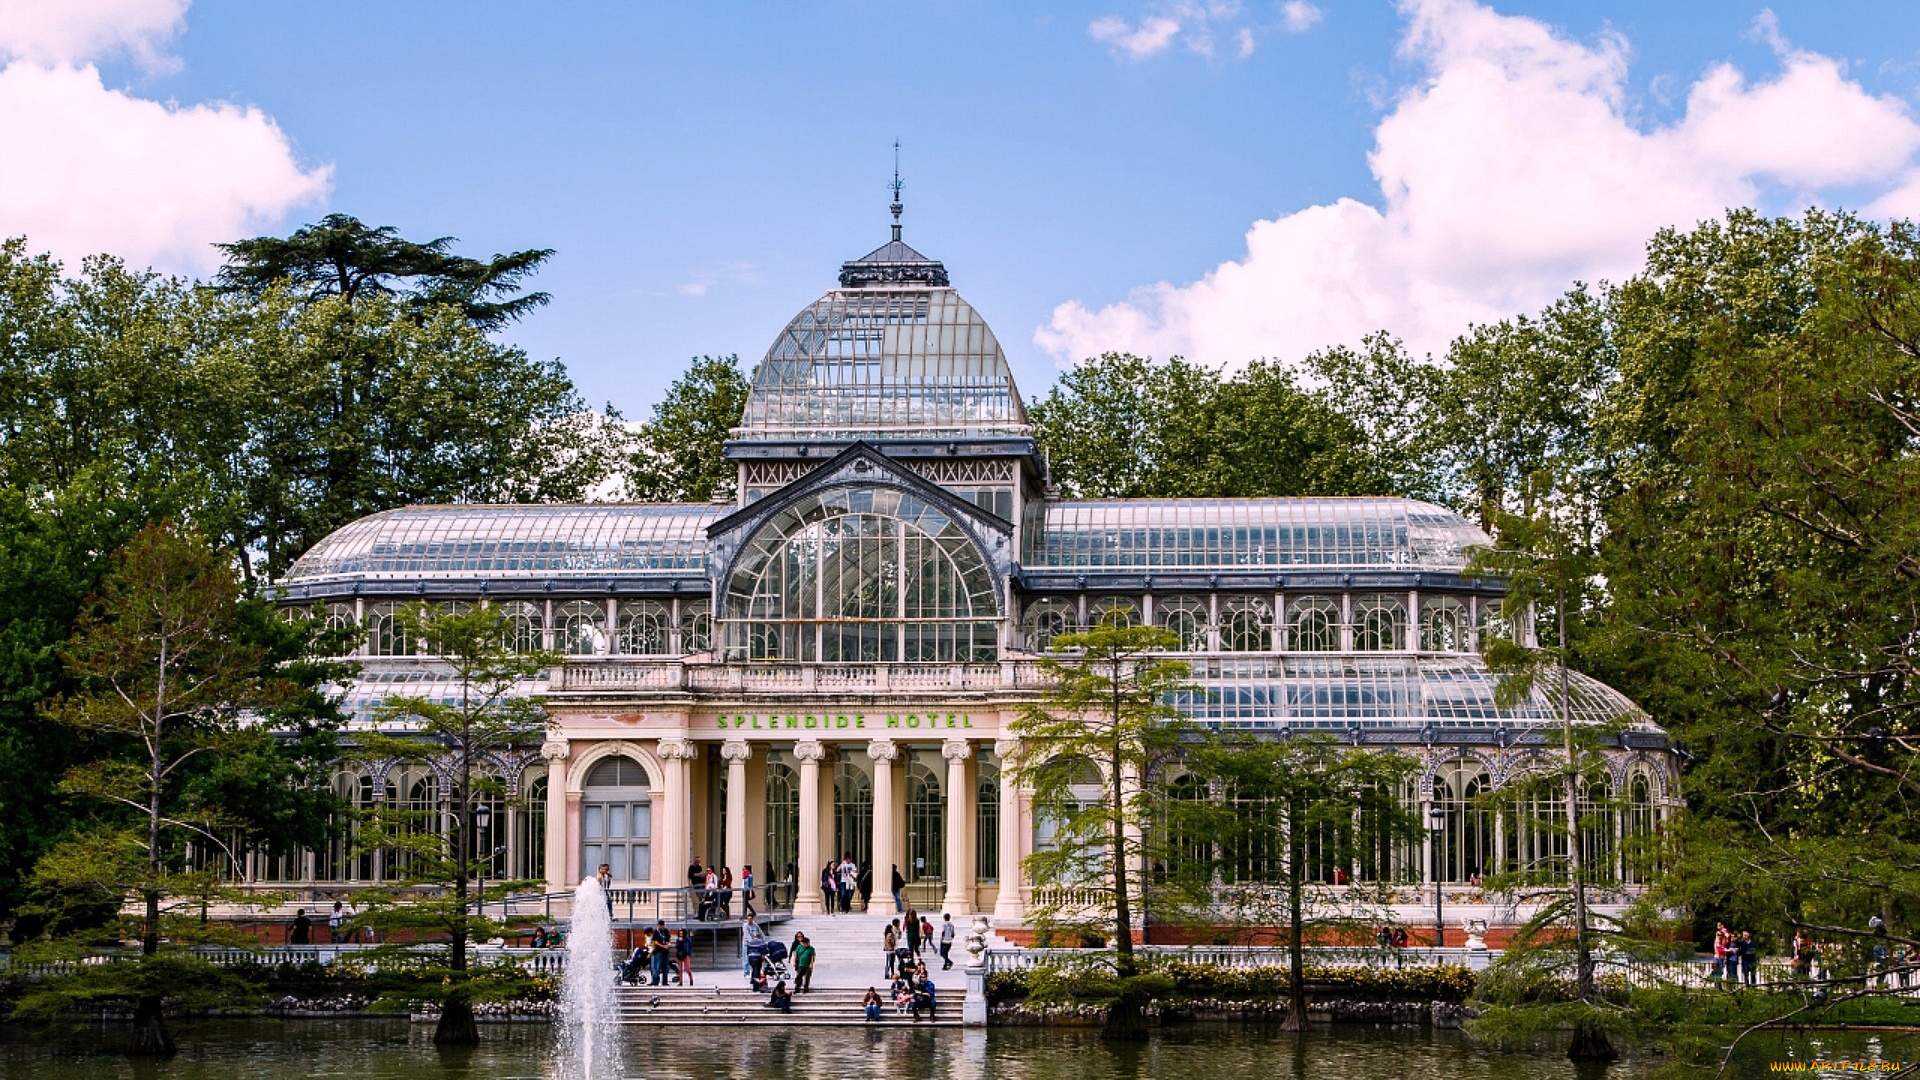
(673, 675)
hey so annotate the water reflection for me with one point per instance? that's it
(389, 1050)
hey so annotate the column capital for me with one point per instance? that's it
(956, 749)
(810, 750)
(883, 749)
(556, 749)
(676, 749)
(736, 750)
(1005, 748)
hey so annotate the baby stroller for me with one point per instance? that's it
(769, 961)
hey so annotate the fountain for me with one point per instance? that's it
(589, 1044)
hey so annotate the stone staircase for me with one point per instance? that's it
(735, 1006)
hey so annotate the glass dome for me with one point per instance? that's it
(1301, 533)
(893, 353)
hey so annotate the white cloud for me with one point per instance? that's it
(89, 168)
(1298, 16)
(1512, 169)
(1153, 35)
(71, 31)
(1191, 24)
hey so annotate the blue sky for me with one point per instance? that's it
(703, 174)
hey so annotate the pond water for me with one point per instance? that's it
(390, 1050)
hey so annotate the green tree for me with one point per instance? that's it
(168, 680)
(1760, 555)
(677, 455)
(1517, 397)
(1547, 562)
(1120, 426)
(488, 713)
(1285, 795)
(1095, 753)
(341, 257)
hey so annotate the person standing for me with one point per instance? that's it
(753, 945)
(659, 955)
(803, 957)
(897, 884)
(830, 888)
(926, 935)
(333, 923)
(301, 932)
(746, 891)
(710, 895)
(604, 876)
(946, 942)
(864, 882)
(683, 956)
(1749, 958)
(911, 927)
(889, 941)
(726, 892)
(849, 874)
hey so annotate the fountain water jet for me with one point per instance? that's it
(589, 1043)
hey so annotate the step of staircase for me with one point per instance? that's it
(734, 1007)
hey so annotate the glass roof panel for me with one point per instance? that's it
(435, 540)
(1292, 533)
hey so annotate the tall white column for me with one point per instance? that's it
(672, 824)
(959, 898)
(885, 827)
(807, 901)
(555, 751)
(1011, 906)
(736, 752)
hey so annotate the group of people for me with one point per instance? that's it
(840, 880)
(659, 956)
(907, 939)
(1392, 937)
(339, 926)
(759, 951)
(911, 993)
(1736, 958)
(716, 888)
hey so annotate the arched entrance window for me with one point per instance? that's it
(1443, 624)
(1466, 842)
(1045, 619)
(1246, 624)
(783, 818)
(1313, 624)
(861, 574)
(1184, 848)
(530, 844)
(926, 825)
(643, 628)
(1186, 617)
(616, 820)
(986, 820)
(1638, 819)
(852, 811)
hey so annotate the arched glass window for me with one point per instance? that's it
(783, 818)
(418, 813)
(1313, 624)
(483, 843)
(581, 627)
(525, 626)
(1465, 847)
(1046, 619)
(1246, 624)
(339, 616)
(1598, 845)
(1186, 849)
(1494, 623)
(388, 631)
(852, 810)
(1638, 822)
(644, 628)
(530, 844)
(1186, 616)
(926, 825)
(1536, 827)
(1379, 623)
(1385, 853)
(1119, 610)
(616, 820)
(1443, 624)
(861, 574)
(986, 820)
(696, 626)
(340, 859)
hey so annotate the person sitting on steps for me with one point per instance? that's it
(871, 1005)
(781, 998)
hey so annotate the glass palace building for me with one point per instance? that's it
(831, 661)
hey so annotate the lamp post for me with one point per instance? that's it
(1436, 825)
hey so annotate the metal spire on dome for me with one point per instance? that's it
(895, 188)
(893, 263)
